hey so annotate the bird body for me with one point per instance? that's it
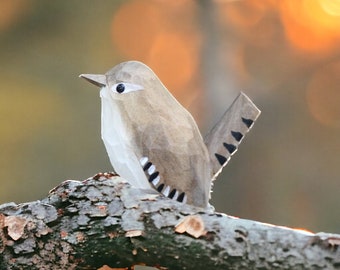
(151, 140)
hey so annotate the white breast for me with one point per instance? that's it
(118, 143)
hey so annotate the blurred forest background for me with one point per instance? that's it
(284, 54)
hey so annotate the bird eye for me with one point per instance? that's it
(121, 88)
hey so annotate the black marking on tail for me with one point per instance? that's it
(160, 187)
(147, 166)
(230, 147)
(172, 193)
(153, 176)
(180, 198)
(247, 122)
(237, 135)
(221, 159)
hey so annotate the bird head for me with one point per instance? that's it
(134, 87)
(126, 79)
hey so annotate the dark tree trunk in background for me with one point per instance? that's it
(104, 221)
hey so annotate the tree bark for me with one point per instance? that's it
(104, 221)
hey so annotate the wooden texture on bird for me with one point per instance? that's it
(153, 141)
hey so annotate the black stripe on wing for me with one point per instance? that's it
(155, 180)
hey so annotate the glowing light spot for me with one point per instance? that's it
(308, 27)
(135, 27)
(162, 34)
(12, 11)
(175, 58)
(332, 7)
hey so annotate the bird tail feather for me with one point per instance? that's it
(225, 137)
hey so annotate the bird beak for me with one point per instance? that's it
(96, 79)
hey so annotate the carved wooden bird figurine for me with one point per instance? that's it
(152, 141)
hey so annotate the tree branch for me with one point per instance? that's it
(104, 221)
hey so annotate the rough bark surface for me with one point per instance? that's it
(104, 221)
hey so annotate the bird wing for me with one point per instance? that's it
(175, 159)
(225, 137)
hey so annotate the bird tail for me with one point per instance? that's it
(225, 137)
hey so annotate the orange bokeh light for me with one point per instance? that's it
(163, 35)
(11, 11)
(332, 7)
(135, 27)
(309, 27)
(175, 59)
